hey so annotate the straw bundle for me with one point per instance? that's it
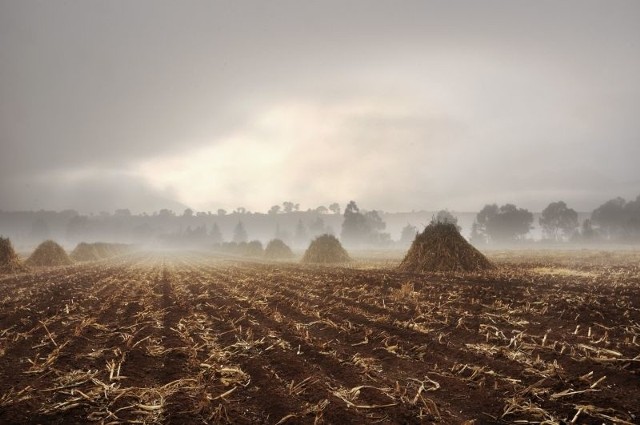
(9, 261)
(441, 248)
(325, 249)
(277, 249)
(49, 253)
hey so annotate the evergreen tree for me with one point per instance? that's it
(239, 233)
(301, 237)
(215, 234)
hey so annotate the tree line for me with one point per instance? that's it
(616, 220)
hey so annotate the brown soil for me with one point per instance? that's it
(196, 340)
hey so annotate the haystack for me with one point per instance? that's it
(49, 253)
(97, 251)
(120, 249)
(104, 250)
(325, 249)
(277, 249)
(85, 252)
(441, 248)
(9, 261)
(253, 249)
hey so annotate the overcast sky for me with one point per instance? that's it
(399, 105)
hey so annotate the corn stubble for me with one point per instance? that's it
(152, 339)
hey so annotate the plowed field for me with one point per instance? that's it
(160, 339)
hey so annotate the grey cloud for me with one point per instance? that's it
(95, 191)
(521, 89)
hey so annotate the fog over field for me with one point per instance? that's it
(419, 105)
(341, 212)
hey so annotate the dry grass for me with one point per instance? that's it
(562, 271)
